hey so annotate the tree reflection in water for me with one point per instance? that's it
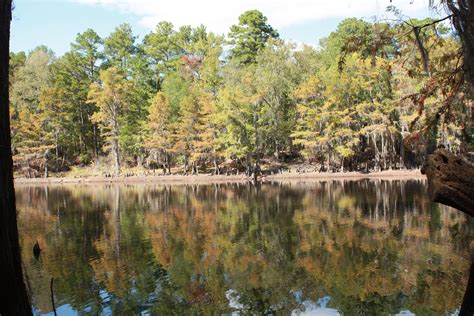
(366, 247)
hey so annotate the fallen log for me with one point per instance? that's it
(450, 180)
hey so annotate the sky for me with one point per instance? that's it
(55, 23)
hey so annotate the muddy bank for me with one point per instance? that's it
(208, 178)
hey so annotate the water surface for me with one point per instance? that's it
(367, 247)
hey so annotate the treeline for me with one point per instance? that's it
(368, 98)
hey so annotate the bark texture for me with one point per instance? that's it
(13, 296)
(451, 180)
(463, 21)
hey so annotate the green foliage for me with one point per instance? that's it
(119, 47)
(174, 99)
(31, 131)
(111, 98)
(250, 36)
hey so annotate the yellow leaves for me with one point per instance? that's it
(350, 99)
(53, 99)
(373, 128)
(112, 92)
(32, 137)
(110, 97)
(159, 112)
(344, 151)
(98, 117)
(309, 88)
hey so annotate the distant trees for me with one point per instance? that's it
(183, 102)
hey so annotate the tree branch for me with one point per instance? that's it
(451, 180)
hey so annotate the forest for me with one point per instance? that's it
(371, 96)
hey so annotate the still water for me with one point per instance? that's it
(303, 248)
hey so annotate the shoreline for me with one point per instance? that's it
(208, 178)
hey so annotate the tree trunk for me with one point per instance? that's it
(328, 161)
(216, 166)
(13, 296)
(56, 138)
(168, 163)
(377, 153)
(256, 171)
(384, 151)
(115, 142)
(424, 53)
(451, 180)
(96, 142)
(463, 16)
(467, 307)
(186, 165)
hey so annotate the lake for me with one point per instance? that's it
(368, 247)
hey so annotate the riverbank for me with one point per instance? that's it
(208, 178)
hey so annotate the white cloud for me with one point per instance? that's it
(219, 15)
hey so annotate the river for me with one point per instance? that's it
(366, 247)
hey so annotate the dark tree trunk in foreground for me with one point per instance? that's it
(467, 307)
(463, 21)
(451, 178)
(451, 182)
(13, 296)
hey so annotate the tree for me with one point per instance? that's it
(187, 130)
(119, 47)
(441, 167)
(242, 109)
(276, 76)
(17, 60)
(13, 293)
(72, 75)
(250, 36)
(164, 50)
(111, 99)
(88, 46)
(159, 138)
(462, 16)
(135, 118)
(31, 137)
(207, 147)
(451, 177)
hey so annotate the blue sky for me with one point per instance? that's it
(55, 23)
